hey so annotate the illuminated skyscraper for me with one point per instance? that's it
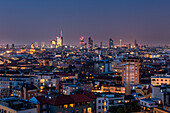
(82, 43)
(32, 50)
(120, 42)
(42, 45)
(36, 44)
(61, 35)
(53, 43)
(59, 41)
(111, 44)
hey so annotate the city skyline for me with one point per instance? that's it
(26, 22)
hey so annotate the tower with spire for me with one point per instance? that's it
(61, 35)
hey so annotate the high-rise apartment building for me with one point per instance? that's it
(130, 71)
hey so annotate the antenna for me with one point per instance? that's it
(61, 33)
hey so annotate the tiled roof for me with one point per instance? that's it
(70, 99)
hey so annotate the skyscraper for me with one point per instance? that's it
(13, 46)
(90, 42)
(53, 43)
(36, 44)
(136, 44)
(61, 35)
(42, 45)
(101, 45)
(59, 41)
(82, 43)
(32, 50)
(120, 42)
(111, 44)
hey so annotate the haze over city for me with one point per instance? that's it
(29, 21)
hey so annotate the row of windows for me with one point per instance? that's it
(158, 79)
(99, 101)
(99, 107)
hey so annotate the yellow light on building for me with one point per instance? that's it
(71, 105)
(104, 103)
(41, 87)
(104, 109)
(49, 85)
(66, 106)
(42, 81)
(159, 102)
(119, 101)
(133, 87)
(88, 110)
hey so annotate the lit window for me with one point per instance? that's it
(159, 102)
(104, 109)
(119, 101)
(89, 110)
(104, 103)
(42, 80)
(71, 105)
(65, 106)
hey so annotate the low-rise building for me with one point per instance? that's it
(149, 104)
(160, 79)
(78, 103)
(25, 91)
(16, 105)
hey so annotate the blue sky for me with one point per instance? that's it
(27, 21)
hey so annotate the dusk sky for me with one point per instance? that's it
(28, 21)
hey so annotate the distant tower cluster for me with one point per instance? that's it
(90, 42)
(58, 42)
(111, 43)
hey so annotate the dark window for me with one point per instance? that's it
(99, 107)
(102, 107)
(99, 101)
